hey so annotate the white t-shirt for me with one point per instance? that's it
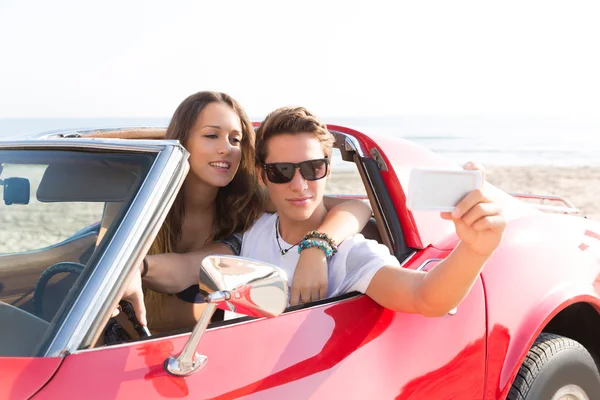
(350, 269)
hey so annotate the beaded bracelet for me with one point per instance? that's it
(308, 243)
(324, 236)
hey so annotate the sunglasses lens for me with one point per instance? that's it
(280, 172)
(313, 170)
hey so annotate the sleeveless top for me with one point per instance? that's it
(192, 294)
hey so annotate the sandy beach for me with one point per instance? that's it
(579, 185)
(40, 224)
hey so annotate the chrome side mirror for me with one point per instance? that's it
(246, 286)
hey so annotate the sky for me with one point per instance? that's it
(338, 58)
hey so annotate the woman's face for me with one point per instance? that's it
(215, 145)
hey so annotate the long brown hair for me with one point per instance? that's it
(237, 205)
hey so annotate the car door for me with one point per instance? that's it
(345, 348)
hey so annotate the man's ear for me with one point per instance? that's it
(260, 171)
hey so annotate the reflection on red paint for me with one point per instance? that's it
(21, 377)
(497, 345)
(596, 283)
(429, 385)
(345, 339)
(592, 234)
(166, 385)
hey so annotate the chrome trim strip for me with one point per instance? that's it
(353, 144)
(210, 329)
(408, 258)
(91, 310)
(70, 132)
(61, 133)
(350, 143)
(376, 196)
(424, 263)
(86, 144)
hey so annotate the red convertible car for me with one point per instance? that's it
(81, 208)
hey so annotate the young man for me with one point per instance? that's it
(293, 152)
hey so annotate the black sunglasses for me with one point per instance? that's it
(283, 172)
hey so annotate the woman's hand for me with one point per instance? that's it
(134, 295)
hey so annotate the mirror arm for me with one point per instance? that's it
(217, 297)
(246, 286)
(189, 360)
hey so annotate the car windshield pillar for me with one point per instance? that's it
(127, 247)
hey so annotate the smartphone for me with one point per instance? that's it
(440, 189)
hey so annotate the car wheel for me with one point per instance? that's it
(556, 368)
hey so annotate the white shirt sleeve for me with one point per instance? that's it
(360, 262)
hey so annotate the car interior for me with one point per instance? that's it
(39, 274)
(364, 171)
(367, 185)
(47, 275)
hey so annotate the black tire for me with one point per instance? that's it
(553, 363)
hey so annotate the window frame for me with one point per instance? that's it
(125, 242)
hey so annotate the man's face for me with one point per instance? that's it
(297, 199)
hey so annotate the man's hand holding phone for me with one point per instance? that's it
(478, 220)
(463, 199)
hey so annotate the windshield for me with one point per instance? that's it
(58, 210)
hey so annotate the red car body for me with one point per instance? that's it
(544, 277)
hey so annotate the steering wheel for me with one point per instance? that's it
(40, 287)
(114, 332)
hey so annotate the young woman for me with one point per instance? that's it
(219, 198)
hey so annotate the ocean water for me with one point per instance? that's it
(487, 140)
